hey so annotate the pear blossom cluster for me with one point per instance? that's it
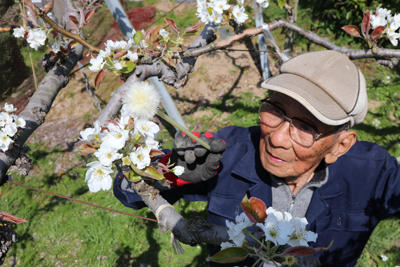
(383, 17)
(280, 228)
(9, 124)
(106, 58)
(35, 37)
(213, 11)
(132, 138)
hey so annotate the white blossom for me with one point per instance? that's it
(140, 101)
(116, 137)
(150, 143)
(19, 32)
(107, 155)
(5, 141)
(98, 177)
(263, 3)
(140, 157)
(5, 119)
(133, 56)
(90, 133)
(380, 17)
(219, 6)
(117, 65)
(36, 38)
(300, 236)
(393, 36)
(114, 45)
(235, 229)
(178, 171)
(277, 226)
(146, 128)
(394, 22)
(239, 14)
(104, 53)
(10, 129)
(96, 64)
(9, 108)
(163, 33)
(20, 122)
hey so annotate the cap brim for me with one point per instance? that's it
(312, 97)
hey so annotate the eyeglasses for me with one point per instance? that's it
(301, 132)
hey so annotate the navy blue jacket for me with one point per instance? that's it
(363, 188)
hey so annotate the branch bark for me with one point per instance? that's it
(39, 105)
(188, 232)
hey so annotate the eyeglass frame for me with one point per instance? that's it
(316, 136)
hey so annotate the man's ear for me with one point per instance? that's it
(343, 142)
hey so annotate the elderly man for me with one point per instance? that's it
(303, 158)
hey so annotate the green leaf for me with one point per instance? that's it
(132, 176)
(230, 255)
(281, 3)
(128, 67)
(138, 37)
(153, 173)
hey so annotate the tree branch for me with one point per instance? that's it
(39, 105)
(188, 232)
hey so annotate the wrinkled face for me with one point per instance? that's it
(283, 157)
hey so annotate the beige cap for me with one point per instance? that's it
(325, 82)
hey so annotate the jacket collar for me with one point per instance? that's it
(249, 165)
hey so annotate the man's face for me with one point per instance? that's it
(283, 157)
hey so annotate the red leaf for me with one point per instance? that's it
(259, 207)
(74, 20)
(193, 28)
(377, 33)
(152, 34)
(10, 218)
(365, 25)
(120, 54)
(255, 209)
(304, 251)
(99, 77)
(48, 7)
(155, 153)
(72, 44)
(352, 30)
(171, 24)
(89, 15)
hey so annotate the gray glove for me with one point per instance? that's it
(199, 163)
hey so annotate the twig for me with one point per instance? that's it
(57, 28)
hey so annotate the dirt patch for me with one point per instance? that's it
(217, 76)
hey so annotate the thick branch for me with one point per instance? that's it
(39, 105)
(378, 53)
(188, 232)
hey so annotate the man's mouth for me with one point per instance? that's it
(273, 158)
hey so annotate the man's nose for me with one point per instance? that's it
(280, 137)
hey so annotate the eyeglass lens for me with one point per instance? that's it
(300, 132)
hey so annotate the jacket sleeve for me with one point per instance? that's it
(388, 187)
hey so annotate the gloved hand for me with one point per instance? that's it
(199, 163)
